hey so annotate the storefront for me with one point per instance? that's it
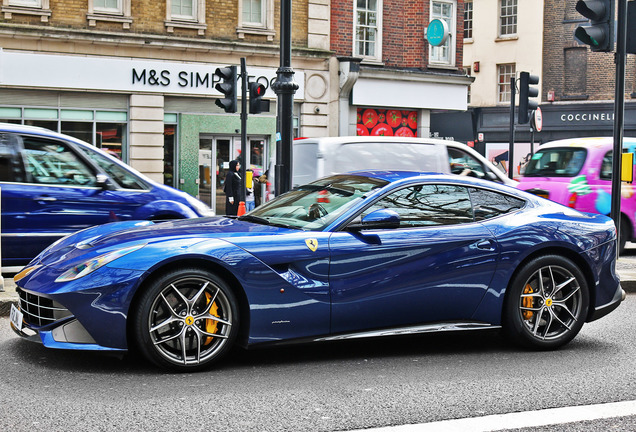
(158, 116)
(392, 102)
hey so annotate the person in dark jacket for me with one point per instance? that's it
(231, 188)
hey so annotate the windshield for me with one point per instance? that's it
(556, 162)
(315, 205)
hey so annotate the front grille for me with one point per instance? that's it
(39, 311)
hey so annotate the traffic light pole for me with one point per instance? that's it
(243, 129)
(511, 150)
(619, 114)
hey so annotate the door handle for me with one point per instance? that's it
(46, 198)
(485, 244)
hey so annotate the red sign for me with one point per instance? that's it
(538, 119)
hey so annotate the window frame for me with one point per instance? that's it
(502, 86)
(263, 28)
(196, 21)
(468, 19)
(505, 30)
(377, 56)
(40, 8)
(450, 44)
(122, 13)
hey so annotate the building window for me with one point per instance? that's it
(468, 19)
(256, 17)
(505, 73)
(26, 7)
(170, 150)
(368, 34)
(444, 54)
(109, 10)
(508, 18)
(185, 14)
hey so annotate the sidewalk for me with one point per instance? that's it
(625, 267)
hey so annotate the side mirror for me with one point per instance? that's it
(102, 181)
(378, 219)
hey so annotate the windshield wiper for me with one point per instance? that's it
(330, 188)
(255, 219)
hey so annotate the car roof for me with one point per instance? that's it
(588, 142)
(331, 141)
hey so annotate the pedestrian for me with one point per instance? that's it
(249, 192)
(231, 189)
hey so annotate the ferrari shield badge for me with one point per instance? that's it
(312, 244)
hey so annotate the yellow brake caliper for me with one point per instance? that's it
(527, 302)
(210, 324)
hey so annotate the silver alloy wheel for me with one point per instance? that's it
(190, 321)
(551, 302)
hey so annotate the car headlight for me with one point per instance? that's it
(93, 264)
(200, 206)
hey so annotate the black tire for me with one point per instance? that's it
(546, 303)
(186, 320)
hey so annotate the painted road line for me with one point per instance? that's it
(546, 417)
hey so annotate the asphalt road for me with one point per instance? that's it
(328, 387)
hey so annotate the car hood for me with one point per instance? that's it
(104, 238)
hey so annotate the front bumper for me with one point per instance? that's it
(601, 311)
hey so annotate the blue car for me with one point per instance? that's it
(348, 256)
(53, 185)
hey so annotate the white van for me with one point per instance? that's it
(318, 157)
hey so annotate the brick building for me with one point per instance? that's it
(136, 77)
(578, 84)
(389, 77)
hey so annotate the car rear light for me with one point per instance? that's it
(572, 200)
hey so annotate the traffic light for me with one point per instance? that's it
(257, 104)
(227, 87)
(526, 105)
(599, 34)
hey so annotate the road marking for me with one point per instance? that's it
(546, 417)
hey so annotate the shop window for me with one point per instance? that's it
(185, 14)
(103, 129)
(26, 7)
(386, 122)
(256, 17)
(507, 18)
(367, 41)
(444, 55)
(169, 152)
(468, 19)
(109, 10)
(505, 73)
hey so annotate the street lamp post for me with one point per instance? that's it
(285, 87)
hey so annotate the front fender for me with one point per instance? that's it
(163, 209)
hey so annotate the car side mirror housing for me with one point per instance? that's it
(378, 219)
(102, 181)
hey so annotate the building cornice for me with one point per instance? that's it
(94, 37)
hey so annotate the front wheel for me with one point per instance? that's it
(546, 303)
(186, 320)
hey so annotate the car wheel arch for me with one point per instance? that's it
(563, 252)
(203, 264)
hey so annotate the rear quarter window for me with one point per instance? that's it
(489, 204)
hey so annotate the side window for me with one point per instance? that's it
(124, 179)
(464, 164)
(606, 166)
(428, 205)
(10, 169)
(54, 163)
(488, 204)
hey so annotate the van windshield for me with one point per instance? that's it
(556, 162)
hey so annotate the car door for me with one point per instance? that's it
(53, 192)
(436, 266)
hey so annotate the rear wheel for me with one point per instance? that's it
(186, 320)
(546, 303)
